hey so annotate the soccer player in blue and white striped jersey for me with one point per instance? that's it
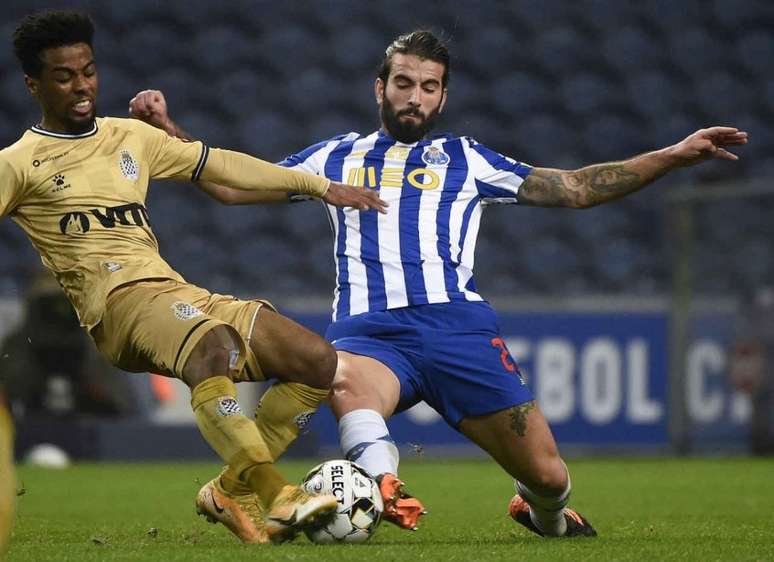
(408, 323)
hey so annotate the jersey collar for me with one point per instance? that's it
(41, 131)
(427, 140)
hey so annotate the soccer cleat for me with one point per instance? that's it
(294, 510)
(241, 514)
(400, 507)
(577, 525)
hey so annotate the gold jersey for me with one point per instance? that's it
(81, 200)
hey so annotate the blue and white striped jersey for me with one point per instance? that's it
(421, 251)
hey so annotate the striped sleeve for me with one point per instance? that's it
(312, 161)
(200, 165)
(497, 177)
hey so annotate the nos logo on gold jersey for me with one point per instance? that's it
(129, 166)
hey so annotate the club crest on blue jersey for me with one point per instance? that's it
(434, 156)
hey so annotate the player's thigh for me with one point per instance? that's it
(520, 440)
(379, 355)
(468, 372)
(362, 382)
(155, 326)
(288, 351)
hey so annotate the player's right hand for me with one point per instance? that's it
(361, 198)
(151, 107)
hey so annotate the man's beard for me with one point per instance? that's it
(407, 132)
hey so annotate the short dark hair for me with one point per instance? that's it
(421, 43)
(45, 30)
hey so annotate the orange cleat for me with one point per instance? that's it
(241, 514)
(577, 526)
(400, 507)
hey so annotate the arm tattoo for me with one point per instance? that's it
(545, 187)
(605, 181)
(586, 187)
(519, 415)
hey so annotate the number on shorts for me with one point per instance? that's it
(505, 357)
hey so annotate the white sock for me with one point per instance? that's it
(547, 513)
(365, 440)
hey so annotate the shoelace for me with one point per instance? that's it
(252, 508)
(297, 494)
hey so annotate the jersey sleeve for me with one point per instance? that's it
(171, 157)
(312, 161)
(11, 186)
(497, 177)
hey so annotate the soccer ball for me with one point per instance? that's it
(360, 502)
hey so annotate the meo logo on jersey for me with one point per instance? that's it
(129, 166)
(434, 156)
(185, 311)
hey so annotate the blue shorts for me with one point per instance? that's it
(450, 355)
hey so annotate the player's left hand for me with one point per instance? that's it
(708, 143)
(361, 198)
(151, 107)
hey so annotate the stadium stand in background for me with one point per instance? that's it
(550, 83)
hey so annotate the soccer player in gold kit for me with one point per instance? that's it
(76, 184)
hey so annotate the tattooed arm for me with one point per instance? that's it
(599, 183)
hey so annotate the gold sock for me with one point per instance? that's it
(265, 481)
(232, 483)
(284, 410)
(230, 433)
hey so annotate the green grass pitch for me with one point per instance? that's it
(655, 509)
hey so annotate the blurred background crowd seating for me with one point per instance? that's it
(557, 84)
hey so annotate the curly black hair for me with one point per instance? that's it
(46, 30)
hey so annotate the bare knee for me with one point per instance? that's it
(212, 356)
(547, 476)
(363, 383)
(348, 387)
(292, 353)
(521, 441)
(320, 363)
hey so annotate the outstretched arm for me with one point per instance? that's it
(599, 183)
(230, 196)
(151, 106)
